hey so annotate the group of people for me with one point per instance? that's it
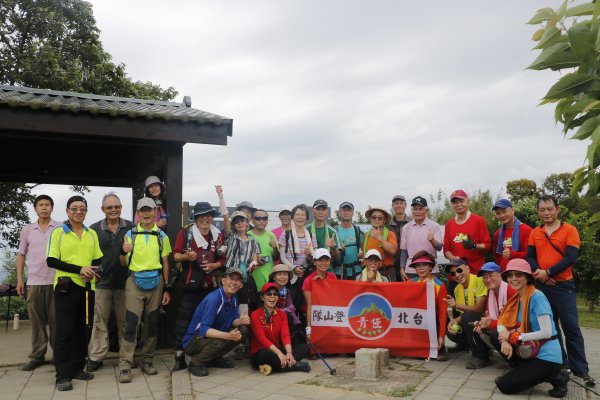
(249, 289)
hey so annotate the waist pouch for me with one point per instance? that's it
(531, 348)
(146, 280)
(63, 284)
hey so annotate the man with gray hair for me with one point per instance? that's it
(110, 289)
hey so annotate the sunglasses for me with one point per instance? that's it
(457, 271)
(377, 217)
(110, 208)
(271, 294)
(75, 210)
(261, 218)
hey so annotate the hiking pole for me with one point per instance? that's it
(88, 287)
(583, 386)
(332, 371)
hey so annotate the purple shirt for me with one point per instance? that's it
(414, 239)
(33, 245)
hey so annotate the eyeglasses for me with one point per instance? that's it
(236, 279)
(514, 274)
(75, 210)
(487, 277)
(109, 208)
(271, 294)
(239, 221)
(261, 218)
(457, 271)
(377, 217)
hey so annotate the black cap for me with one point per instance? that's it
(320, 203)
(421, 201)
(347, 204)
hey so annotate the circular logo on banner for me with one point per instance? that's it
(369, 316)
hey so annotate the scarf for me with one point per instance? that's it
(516, 238)
(384, 236)
(201, 243)
(364, 273)
(460, 292)
(510, 313)
(269, 316)
(494, 305)
(466, 218)
(297, 241)
(313, 231)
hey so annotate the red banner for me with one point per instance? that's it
(349, 315)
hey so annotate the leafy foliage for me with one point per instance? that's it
(569, 39)
(17, 305)
(14, 198)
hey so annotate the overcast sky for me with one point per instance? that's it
(346, 100)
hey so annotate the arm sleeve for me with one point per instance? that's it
(63, 266)
(545, 331)
(485, 235)
(403, 258)
(494, 324)
(565, 262)
(258, 332)
(532, 257)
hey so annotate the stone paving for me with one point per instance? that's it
(448, 380)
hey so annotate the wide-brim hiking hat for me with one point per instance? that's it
(422, 260)
(489, 267)
(368, 213)
(145, 202)
(517, 264)
(245, 204)
(281, 268)
(267, 286)
(455, 263)
(154, 179)
(237, 215)
(203, 208)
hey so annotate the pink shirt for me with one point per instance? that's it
(277, 232)
(33, 245)
(414, 239)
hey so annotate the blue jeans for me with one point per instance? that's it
(564, 307)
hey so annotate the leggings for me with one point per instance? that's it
(266, 356)
(526, 375)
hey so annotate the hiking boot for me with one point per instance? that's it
(442, 355)
(125, 376)
(587, 379)
(198, 369)
(302, 366)
(63, 385)
(31, 365)
(220, 362)
(477, 363)
(149, 369)
(93, 366)
(180, 363)
(265, 369)
(559, 384)
(83, 376)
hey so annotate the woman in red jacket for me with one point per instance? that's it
(270, 345)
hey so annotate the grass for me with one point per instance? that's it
(587, 319)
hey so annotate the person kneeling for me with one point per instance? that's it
(271, 337)
(216, 327)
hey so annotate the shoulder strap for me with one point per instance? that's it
(135, 232)
(553, 245)
(189, 235)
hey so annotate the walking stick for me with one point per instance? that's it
(88, 287)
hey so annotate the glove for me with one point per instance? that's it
(308, 331)
(468, 244)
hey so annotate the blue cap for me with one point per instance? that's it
(489, 267)
(502, 203)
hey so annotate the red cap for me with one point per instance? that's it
(459, 194)
(268, 286)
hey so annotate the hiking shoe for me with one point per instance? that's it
(125, 376)
(265, 369)
(93, 366)
(149, 369)
(477, 363)
(83, 376)
(559, 384)
(442, 355)
(587, 379)
(31, 365)
(180, 363)
(238, 353)
(302, 366)
(198, 369)
(63, 385)
(220, 362)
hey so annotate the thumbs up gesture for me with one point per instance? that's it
(430, 235)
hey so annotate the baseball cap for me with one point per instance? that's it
(421, 201)
(502, 203)
(373, 252)
(234, 271)
(145, 202)
(320, 203)
(489, 267)
(319, 253)
(285, 209)
(238, 214)
(347, 204)
(456, 263)
(267, 286)
(459, 194)
(398, 197)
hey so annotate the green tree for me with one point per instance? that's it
(521, 189)
(569, 41)
(561, 187)
(14, 198)
(8, 270)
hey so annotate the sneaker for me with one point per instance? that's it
(180, 363)
(559, 384)
(265, 369)
(477, 363)
(63, 385)
(83, 376)
(220, 362)
(587, 379)
(149, 369)
(125, 376)
(93, 366)
(442, 355)
(31, 365)
(198, 369)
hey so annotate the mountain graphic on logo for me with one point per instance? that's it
(372, 311)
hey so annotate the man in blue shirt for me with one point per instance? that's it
(216, 327)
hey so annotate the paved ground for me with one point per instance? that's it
(449, 380)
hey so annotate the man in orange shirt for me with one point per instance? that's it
(379, 237)
(552, 252)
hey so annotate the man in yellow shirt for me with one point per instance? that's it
(145, 252)
(74, 252)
